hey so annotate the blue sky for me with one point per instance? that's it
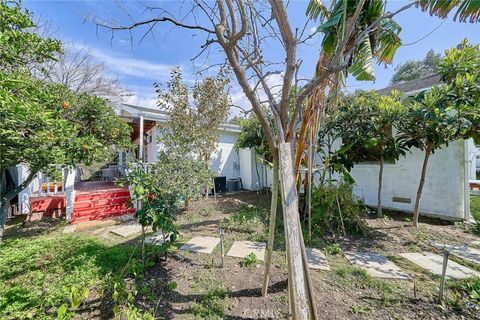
(139, 65)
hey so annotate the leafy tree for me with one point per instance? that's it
(369, 135)
(413, 69)
(189, 140)
(445, 113)
(459, 69)
(253, 137)
(156, 206)
(19, 46)
(45, 124)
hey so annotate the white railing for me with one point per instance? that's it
(43, 186)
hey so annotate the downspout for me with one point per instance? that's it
(466, 175)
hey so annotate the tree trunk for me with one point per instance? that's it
(271, 228)
(301, 295)
(310, 185)
(143, 245)
(258, 175)
(416, 211)
(379, 194)
(5, 200)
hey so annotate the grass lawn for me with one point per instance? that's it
(40, 274)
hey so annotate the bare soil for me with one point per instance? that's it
(173, 287)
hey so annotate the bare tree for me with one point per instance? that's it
(244, 29)
(78, 70)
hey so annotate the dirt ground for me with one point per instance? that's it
(341, 293)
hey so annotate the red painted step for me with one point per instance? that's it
(101, 195)
(101, 215)
(47, 203)
(81, 205)
(101, 204)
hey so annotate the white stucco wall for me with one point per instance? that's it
(248, 171)
(225, 161)
(473, 153)
(444, 190)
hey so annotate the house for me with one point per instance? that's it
(82, 200)
(226, 161)
(446, 193)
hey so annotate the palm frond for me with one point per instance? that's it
(388, 40)
(362, 67)
(316, 10)
(465, 10)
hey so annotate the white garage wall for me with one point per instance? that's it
(225, 160)
(444, 190)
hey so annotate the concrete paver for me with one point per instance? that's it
(376, 265)
(434, 262)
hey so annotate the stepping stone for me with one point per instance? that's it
(434, 262)
(156, 238)
(241, 249)
(316, 259)
(126, 218)
(201, 244)
(472, 255)
(376, 265)
(69, 228)
(127, 231)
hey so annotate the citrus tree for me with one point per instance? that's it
(44, 124)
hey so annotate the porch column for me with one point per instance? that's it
(24, 195)
(140, 151)
(69, 193)
(120, 157)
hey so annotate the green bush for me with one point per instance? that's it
(249, 261)
(475, 211)
(325, 213)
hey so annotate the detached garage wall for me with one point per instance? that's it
(248, 172)
(444, 190)
(225, 161)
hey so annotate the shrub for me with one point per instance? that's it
(325, 210)
(475, 210)
(249, 260)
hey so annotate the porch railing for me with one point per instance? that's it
(43, 186)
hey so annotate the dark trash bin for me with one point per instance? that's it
(220, 184)
(233, 185)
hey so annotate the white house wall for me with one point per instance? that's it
(444, 190)
(225, 161)
(473, 152)
(251, 179)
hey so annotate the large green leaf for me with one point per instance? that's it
(362, 67)
(465, 10)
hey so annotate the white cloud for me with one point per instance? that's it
(121, 65)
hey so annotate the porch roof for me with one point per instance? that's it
(159, 116)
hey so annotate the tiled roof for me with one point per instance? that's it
(413, 85)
